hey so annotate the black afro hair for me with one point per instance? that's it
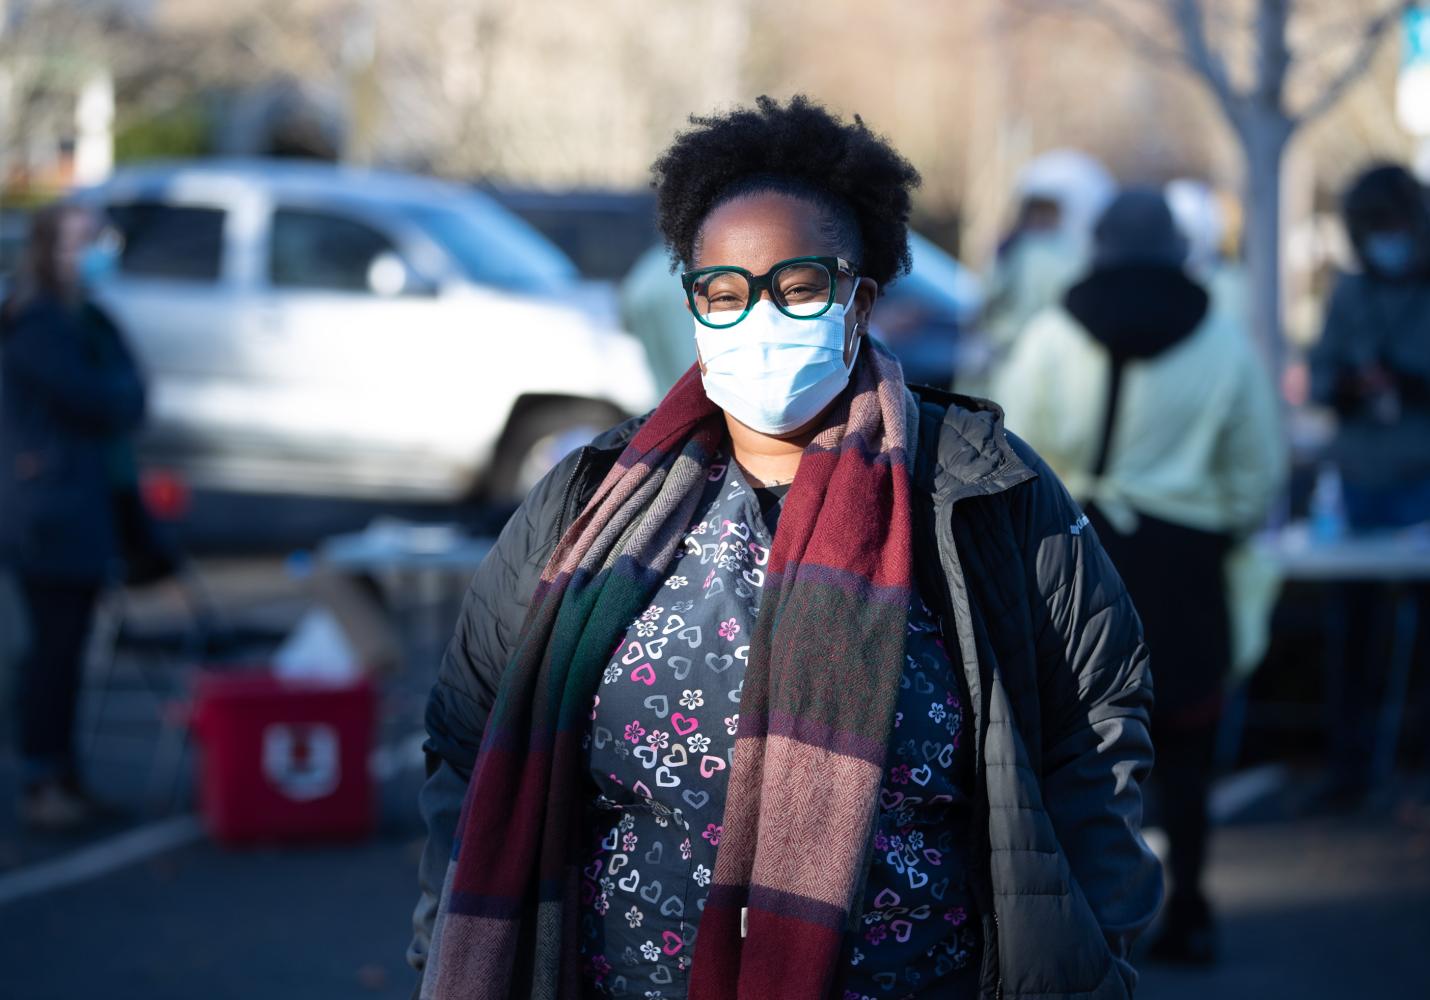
(801, 149)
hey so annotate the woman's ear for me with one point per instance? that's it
(858, 316)
(861, 310)
(864, 299)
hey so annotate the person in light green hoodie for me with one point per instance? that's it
(1157, 413)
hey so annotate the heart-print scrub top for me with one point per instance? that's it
(660, 745)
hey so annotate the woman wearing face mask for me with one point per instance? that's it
(804, 685)
(70, 396)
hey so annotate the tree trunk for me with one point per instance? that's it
(1264, 143)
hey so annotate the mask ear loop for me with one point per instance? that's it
(861, 330)
(858, 339)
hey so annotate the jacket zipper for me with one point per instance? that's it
(998, 987)
(943, 535)
(566, 491)
(582, 462)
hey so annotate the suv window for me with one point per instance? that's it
(320, 250)
(494, 247)
(178, 242)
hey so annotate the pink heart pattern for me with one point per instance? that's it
(674, 723)
(661, 781)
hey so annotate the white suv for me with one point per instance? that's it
(315, 330)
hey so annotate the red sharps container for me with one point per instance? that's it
(283, 760)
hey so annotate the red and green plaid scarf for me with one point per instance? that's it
(815, 714)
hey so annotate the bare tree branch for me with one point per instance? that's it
(1371, 37)
(1336, 31)
(1204, 60)
(1143, 40)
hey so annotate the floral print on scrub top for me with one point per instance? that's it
(918, 934)
(661, 743)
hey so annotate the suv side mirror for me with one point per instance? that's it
(388, 275)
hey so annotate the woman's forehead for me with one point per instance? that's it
(757, 231)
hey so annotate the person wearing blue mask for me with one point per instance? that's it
(1371, 367)
(854, 705)
(70, 398)
(1372, 363)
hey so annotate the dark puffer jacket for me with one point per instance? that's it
(70, 394)
(1056, 668)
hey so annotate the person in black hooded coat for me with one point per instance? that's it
(1160, 418)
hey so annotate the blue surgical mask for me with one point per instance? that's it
(97, 261)
(1391, 254)
(776, 373)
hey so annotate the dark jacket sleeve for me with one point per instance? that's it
(457, 707)
(1096, 694)
(43, 350)
(1331, 361)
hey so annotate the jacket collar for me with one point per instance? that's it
(970, 447)
(616, 439)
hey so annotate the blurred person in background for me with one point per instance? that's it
(656, 317)
(1060, 196)
(70, 397)
(1162, 421)
(875, 719)
(1372, 367)
(1201, 217)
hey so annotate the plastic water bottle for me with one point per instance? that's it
(1328, 507)
(299, 564)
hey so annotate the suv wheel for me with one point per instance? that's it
(540, 437)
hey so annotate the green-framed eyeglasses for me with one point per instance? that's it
(801, 287)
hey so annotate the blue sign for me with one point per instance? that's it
(1412, 91)
(1416, 47)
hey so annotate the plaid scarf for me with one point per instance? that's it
(816, 711)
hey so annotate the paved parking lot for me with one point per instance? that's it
(1310, 910)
